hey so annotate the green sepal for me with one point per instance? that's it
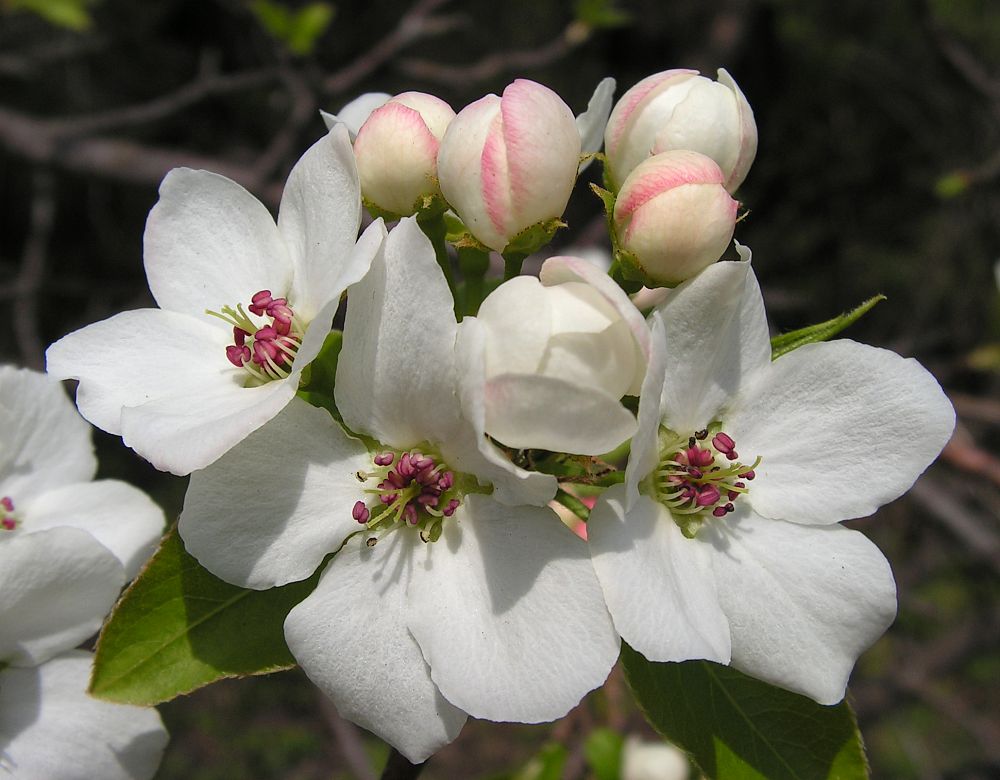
(629, 275)
(738, 728)
(533, 238)
(786, 342)
(625, 268)
(379, 212)
(607, 199)
(459, 236)
(178, 628)
(573, 504)
(426, 207)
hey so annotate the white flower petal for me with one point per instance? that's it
(658, 584)
(460, 170)
(716, 336)
(556, 270)
(122, 518)
(209, 243)
(802, 602)
(52, 729)
(591, 123)
(509, 615)
(645, 444)
(182, 433)
(137, 356)
(542, 412)
(319, 218)
(509, 344)
(57, 587)
(842, 428)
(269, 510)
(45, 443)
(356, 112)
(396, 373)
(350, 637)
(469, 449)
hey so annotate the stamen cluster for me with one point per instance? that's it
(266, 351)
(693, 479)
(8, 521)
(419, 493)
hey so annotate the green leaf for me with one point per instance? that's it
(786, 342)
(178, 628)
(603, 750)
(738, 728)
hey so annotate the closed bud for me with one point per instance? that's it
(509, 163)
(397, 148)
(559, 352)
(679, 109)
(673, 216)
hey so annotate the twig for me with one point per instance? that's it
(282, 146)
(33, 263)
(461, 75)
(976, 408)
(163, 106)
(415, 23)
(937, 500)
(399, 768)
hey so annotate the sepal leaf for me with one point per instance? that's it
(784, 343)
(178, 628)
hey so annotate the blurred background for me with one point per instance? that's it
(877, 172)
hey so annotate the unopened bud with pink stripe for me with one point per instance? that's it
(508, 163)
(679, 109)
(673, 216)
(397, 148)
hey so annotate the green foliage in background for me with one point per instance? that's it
(299, 30)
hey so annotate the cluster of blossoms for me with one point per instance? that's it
(67, 545)
(428, 468)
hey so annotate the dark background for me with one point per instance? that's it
(877, 172)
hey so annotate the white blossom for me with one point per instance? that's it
(724, 542)
(456, 591)
(245, 306)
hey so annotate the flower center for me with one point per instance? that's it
(264, 346)
(8, 520)
(699, 475)
(413, 490)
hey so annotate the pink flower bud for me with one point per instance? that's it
(678, 109)
(674, 216)
(507, 163)
(397, 149)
